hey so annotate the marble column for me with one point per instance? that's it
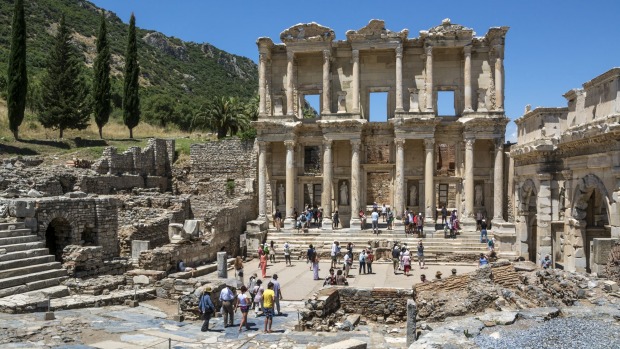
(429, 184)
(290, 58)
(469, 178)
(262, 181)
(355, 184)
(467, 78)
(326, 83)
(328, 171)
(499, 78)
(290, 179)
(355, 84)
(399, 190)
(399, 79)
(429, 79)
(262, 69)
(498, 182)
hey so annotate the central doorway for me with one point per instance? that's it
(57, 236)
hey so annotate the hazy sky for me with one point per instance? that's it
(551, 47)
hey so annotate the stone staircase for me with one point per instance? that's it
(466, 248)
(25, 263)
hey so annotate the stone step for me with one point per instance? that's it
(28, 269)
(31, 278)
(24, 262)
(9, 226)
(31, 286)
(18, 240)
(23, 246)
(15, 232)
(36, 252)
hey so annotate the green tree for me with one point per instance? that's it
(17, 72)
(223, 115)
(131, 99)
(101, 82)
(64, 91)
(159, 110)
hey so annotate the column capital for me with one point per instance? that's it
(327, 54)
(262, 145)
(399, 51)
(327, 143)
(413, 90)
(355, 55)
(399, 142)
(264, 57)
(467, 50)
(567, 174)
(499, 143)
(429, 143)
(290, 56)
(428, 51)
(469, 143)
(498, 51)
(355, 145)
(290, 144)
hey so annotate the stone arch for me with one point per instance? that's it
(58, 230)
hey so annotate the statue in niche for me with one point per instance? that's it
(482, 99)
(281, 198)
(413, 195)
(344, 193)
(478, 199)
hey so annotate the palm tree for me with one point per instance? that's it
(223, 115)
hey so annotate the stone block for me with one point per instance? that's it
(610, 286)
(141, 279)
(600, 250)
(347, 344)
(257, 226)
(21, 208)
(193, 227)
(138, 246)
(76, 194)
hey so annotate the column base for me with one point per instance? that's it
(289, 223)
(326, 224)
(468, 110)
(355, 224)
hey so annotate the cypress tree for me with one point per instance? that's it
(17, 73)
(131, 100)
(64, 95)
(101, 82)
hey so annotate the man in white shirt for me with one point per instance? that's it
(277, 290)
(375, 221)
(227, 297)
(335, 253)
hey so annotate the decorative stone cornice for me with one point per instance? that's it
(540, 111)
(375, 31)
(611, 74)
(307, 32)
(448, 31)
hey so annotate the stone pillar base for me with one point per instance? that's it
(289, 223)
(326, 224)
(354, 224)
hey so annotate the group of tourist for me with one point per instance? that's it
(264, 302)
(402, 259)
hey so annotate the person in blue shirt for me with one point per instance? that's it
(207, 308)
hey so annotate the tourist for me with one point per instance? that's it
(384, 212)
(207, 308)
(350, 246)
(362, 219)
(483, 261)
(263, 265)
(374, 216)
(546, 262)
(308, 217)
(334, 254)
(348, 262)
(406, 262)
(330, 279)
(335, 220)
(239, 268)
(277, 290)
(362, 261)
(226, 298)
(444, 214)
(341, 280)
(258, 297)
(320, 218)
(287, 254)
(438, 275)
(315, 215)
(272, 252)
(420, 225)
(453, 271)
(310, 255)
(395, 257)
(241, 302)
(183, 268)
(268, 301)
(390, 219)
(370, 257)
(483, 231)
(251, 286)
(260, 253)
(315, 266)
(403, 250)
(478, 220)
(421, 262)
(374, 206)
(491, 244)
(300, 222)
(423, 278)
(278, 219)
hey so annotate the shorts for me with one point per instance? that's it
(334, 258)
(407, 268)
(268, 313)
(421, 258)
(396, 262)
(244, 308)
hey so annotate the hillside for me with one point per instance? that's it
(183, 71)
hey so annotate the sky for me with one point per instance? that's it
(551, 47)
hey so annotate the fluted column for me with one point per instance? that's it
(326, 199)
(499, 78)
(290, 58)
(399, 190)
(469, 177)
(290, 177)
(355, 84)
(399, 79)
(262, 182)
(429, 185)
(429, 79)
(498, 182)
(262, 96)
(326, 83)
(467, 78)
(355, 183)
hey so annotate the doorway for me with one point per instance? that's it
(57, 236)
(532, 238)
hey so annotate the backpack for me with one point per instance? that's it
(395, 253)
(406, 219)
(303, 218)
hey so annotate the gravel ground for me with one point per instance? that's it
(556, 333)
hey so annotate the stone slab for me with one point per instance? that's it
(499, 318)
(347, 344)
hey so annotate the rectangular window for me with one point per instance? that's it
(312, 160)
(378, 107)
(443, 195)
(445, 103)
(312, 106)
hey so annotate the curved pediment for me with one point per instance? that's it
(449, 31)
(375, 30)
(307, 32)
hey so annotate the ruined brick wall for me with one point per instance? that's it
(110, 184)
(166, 258)
(154, 160)
(88, 261)
(155, 231)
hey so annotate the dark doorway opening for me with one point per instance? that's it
(57, 236)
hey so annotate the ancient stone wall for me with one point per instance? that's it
(166, 258)
(111, 184)
(88, 261)
(154, 160)
(155, 231)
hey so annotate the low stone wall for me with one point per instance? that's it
(165, 258)
(156, 232)
(330, 305)
(112, 184)
(88, 261)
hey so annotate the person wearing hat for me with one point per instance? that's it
(438, 275)
(207, 308)
(277, 290)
